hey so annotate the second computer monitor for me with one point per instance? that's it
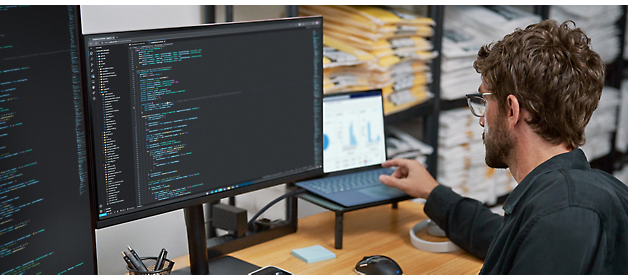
(182, 115)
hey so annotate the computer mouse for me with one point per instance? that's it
(378, 265)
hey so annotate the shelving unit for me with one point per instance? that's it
(437, 13)
(429, 111)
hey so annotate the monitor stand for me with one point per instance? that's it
(197, 245)
(212, 260)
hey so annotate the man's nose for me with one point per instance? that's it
(482, 121)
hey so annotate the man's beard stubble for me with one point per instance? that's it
(498, 144)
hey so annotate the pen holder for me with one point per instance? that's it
(150, 263)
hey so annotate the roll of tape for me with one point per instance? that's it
(429, 246)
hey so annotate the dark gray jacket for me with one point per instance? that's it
(563, 218)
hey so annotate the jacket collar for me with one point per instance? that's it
(571, 160)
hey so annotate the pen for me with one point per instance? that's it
(161, 260)
(137, 261)
(128, 261)
(137, 265)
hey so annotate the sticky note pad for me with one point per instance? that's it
(313, 254)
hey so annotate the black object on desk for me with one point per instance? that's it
(230, 218)
(225, 265)
(378, 265)
(270, 270)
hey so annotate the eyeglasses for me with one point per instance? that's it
(477, 103)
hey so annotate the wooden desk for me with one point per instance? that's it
(378, 230)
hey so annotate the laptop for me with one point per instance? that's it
(354, 147)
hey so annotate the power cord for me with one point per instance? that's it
(270, 204)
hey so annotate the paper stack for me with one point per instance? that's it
(466, 29)
(598, 22)
(339, 73)
(396, 41)
(460, 48)
(401, 144)
(599, 131)
(461, 164)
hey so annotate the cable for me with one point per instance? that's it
(270, 204)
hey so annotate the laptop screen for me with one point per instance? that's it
(353, 131)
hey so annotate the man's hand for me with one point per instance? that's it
(410, 177)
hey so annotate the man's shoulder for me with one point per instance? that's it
(591, 188)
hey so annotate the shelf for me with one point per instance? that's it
(419, 110)
(453, 104)
(614, 72)
(609, 162)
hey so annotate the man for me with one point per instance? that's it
(539, 88)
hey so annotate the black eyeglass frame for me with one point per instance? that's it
(477, 103)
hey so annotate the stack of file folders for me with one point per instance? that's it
(461, 164)
(343, 66)
(401, 144)
(603, 123)
(466, 29)
(386, 49)
(598, 22)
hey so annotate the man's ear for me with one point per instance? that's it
(513, 112)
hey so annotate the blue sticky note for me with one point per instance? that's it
(313, 254)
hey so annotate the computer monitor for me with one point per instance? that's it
(183, 116)
(45, 221)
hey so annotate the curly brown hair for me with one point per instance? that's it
(554, 74)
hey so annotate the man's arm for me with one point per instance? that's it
(466, 221)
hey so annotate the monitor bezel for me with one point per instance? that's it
(194, 201)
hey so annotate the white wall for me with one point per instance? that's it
(147, 236)
(110, 18)
(252, 12)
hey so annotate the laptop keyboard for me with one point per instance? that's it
(347, 182)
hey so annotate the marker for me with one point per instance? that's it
(161, 260)
(128, 261)
(138, 265)
(137, 261)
